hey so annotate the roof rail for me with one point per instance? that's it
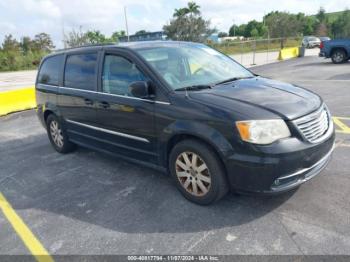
(84, 46)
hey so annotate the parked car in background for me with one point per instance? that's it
(188, 110)
(324, 38)
(338, 50)
(311, 41)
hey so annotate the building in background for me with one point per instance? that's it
(230, 38)
(160, 35)
(213, 39)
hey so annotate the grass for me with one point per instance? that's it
(251, 46)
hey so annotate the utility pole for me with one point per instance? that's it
(234, 27)
(63, 35)
(126, 24)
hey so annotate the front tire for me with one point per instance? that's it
(339, 56)
(198, 172)
(58, 135)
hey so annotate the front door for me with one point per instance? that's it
(127, 122)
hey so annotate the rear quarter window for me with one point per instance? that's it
(80, 71)
(50, 70)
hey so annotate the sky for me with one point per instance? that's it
(29, 17)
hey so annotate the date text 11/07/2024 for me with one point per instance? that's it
(173, 258)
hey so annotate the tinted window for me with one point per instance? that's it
(118, 74)
(80, 71)
(50, 69)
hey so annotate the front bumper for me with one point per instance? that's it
(279, 167)
(297, 178)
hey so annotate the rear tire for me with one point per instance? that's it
(58, 135)
(198, 172)
(339, 56)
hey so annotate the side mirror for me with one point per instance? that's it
(140, 89)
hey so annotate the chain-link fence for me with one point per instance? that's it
(251, 52)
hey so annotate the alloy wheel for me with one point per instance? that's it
(193, 173)
(338, 57)
(56, 133)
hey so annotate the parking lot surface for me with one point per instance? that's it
(90, 203)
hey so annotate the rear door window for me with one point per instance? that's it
(50, 70)
(80, 71)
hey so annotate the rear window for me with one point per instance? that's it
(80, 71)
(50, 70)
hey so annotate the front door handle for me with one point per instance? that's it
(88, 102)
(104, 104)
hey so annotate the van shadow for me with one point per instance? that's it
(102, 190)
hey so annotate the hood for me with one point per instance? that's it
(285, 100)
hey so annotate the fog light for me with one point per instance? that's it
(277, 182)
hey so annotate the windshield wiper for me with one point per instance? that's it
(232, 80)
(193, 87)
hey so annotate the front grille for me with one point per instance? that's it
(315, 125)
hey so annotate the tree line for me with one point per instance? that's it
(283, 24)
(27, 53)
(24, 54)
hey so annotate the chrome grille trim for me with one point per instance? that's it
(323, 159)
(315, 127)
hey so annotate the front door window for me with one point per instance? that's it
(118, 74)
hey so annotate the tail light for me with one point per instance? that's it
(321, 45)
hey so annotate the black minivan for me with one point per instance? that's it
(188, 110)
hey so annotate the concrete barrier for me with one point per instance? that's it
(17, 100)
(289, 52)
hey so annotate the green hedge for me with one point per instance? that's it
(14, 60)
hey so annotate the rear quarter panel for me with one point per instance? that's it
(331, 45)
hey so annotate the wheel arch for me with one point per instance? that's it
(339, 48)
(181, 137)
(192, 130)
(48, 109)
(47, 113)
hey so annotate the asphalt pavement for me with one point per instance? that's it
(90, 203)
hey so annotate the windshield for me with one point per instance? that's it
(188, 65)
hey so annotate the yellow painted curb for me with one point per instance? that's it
(287, 53)
(17, 100)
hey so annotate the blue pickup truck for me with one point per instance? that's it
(338, 50)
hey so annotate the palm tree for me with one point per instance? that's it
(193, 8)
(181, 12)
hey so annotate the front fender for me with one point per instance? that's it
(199, 130)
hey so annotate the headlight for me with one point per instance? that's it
(262, 131)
